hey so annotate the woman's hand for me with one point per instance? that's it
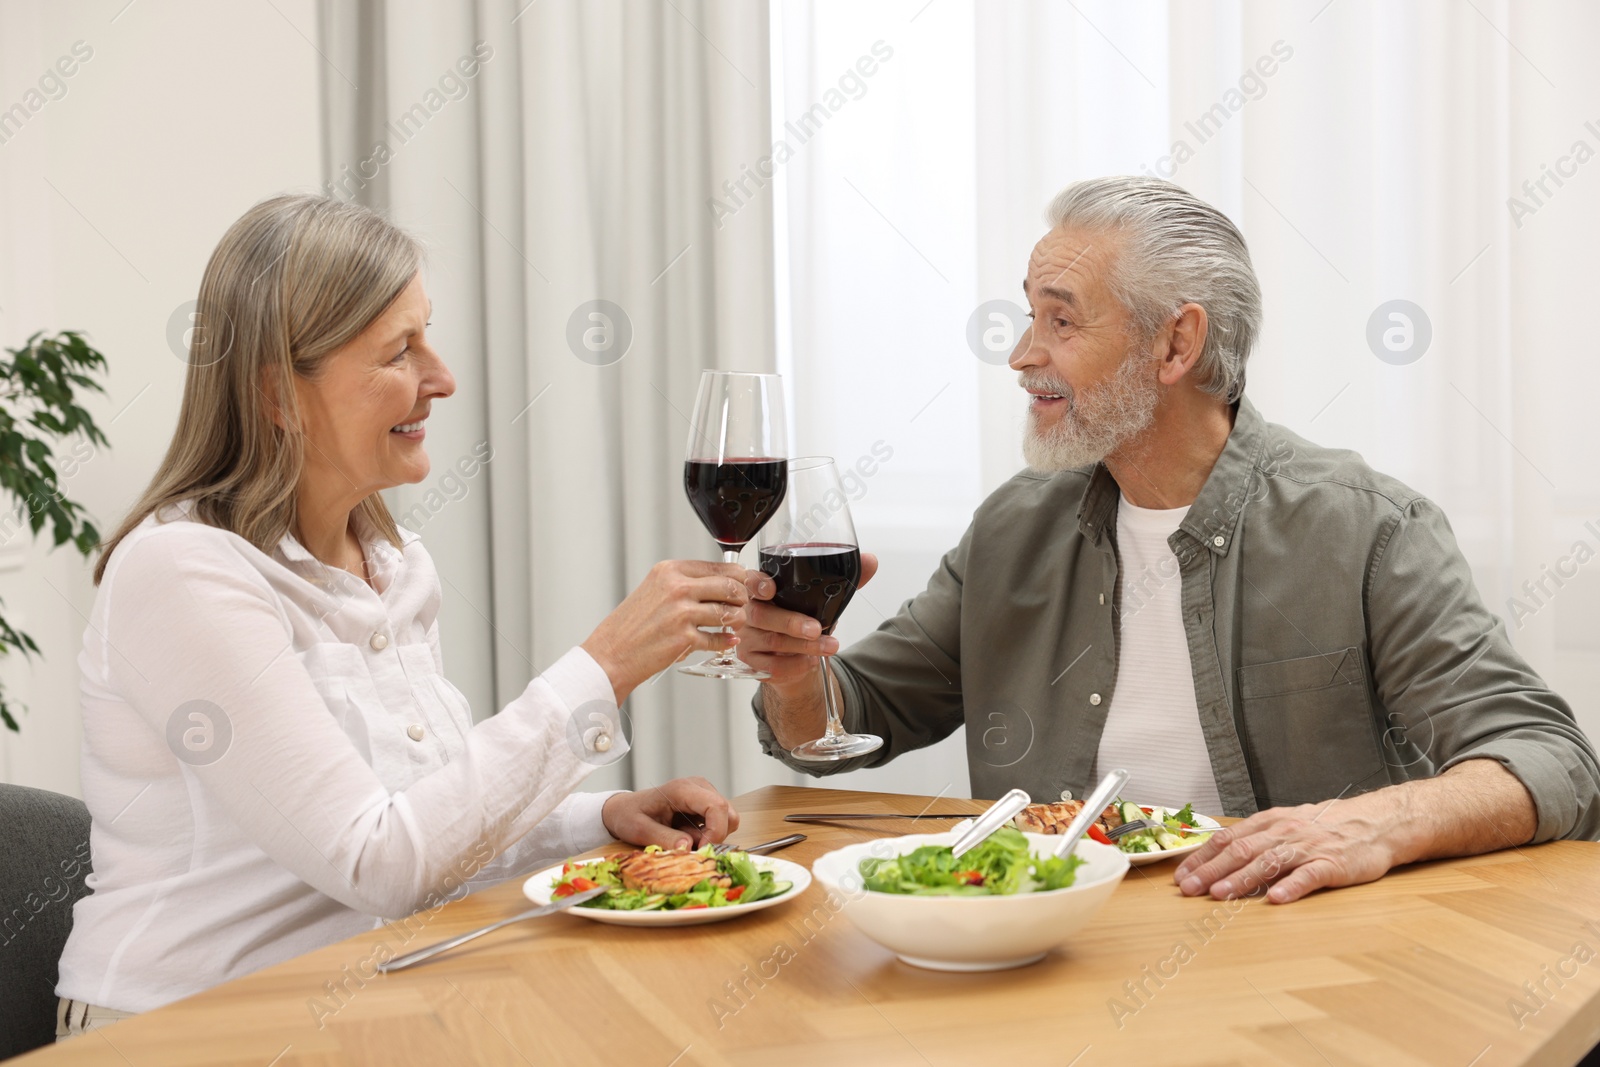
(645, 817)
(659, 622)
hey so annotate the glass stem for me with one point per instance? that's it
(835, 726)
(726, 657)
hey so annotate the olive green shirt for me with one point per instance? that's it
(1337, 641)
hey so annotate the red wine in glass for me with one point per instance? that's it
(810, 552)
(735, 497)
(816, 579)
(735, 474)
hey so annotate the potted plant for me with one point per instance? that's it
(39, 388)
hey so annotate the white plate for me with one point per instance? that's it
(1142, 859)
(540, 889)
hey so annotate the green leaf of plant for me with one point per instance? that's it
(40, 385)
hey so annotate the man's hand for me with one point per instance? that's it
(1476, 806)
(645, 817)
(1293, 850)
(786, 644)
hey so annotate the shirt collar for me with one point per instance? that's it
(1214, 515)
(376, 546)
(290, 548)
(383, 555)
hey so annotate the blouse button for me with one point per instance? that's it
(1219, 540)
(414, 731)
(379, 642)
(602, 742)
(1094, 698)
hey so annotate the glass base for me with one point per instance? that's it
(837, 747)
(724, 666)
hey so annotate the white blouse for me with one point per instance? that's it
(272, 757)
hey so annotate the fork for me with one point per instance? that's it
(401, 962)
(758, 850)
(1147, 824)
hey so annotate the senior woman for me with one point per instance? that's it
(273, 759)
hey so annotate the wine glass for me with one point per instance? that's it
(735, 475)
(810, 552)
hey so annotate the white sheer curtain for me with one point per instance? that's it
(877, 270)
(1368, 152)
(574, 164)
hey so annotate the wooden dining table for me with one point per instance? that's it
(1482, 962)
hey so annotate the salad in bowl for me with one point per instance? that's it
(1005, 903)
(1002, 865)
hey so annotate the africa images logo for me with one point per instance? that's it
(199, 732)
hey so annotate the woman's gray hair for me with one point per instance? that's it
(1176, 249)
(297, 277)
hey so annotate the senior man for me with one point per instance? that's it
(1242, 619)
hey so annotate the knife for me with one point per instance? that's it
(770, 846)
(825, 816)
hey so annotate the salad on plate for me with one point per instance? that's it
(658, 879)
(1180, 830)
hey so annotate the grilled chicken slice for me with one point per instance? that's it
(1047, 818)
(670, 871)
(1055, 818)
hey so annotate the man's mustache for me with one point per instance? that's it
(1045, 385)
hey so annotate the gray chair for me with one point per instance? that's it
(44, 859)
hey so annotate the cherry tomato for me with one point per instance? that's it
(969, 877)
(1097, 834)
(735, 893)
(563, 890)
(691, 907)
(583, 885)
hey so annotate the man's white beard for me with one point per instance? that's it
(1097, 421)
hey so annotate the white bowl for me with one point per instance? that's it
(987, 933)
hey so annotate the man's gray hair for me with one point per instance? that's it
(1176, 249)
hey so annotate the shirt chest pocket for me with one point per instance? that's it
(396, 731)
(1309, 728)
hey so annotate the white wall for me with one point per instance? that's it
(111, 198)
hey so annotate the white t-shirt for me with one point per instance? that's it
(272, 757)
(1153, 724)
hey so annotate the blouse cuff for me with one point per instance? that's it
(585, 829)
(593, 728)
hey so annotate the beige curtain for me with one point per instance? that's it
(560, 159)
